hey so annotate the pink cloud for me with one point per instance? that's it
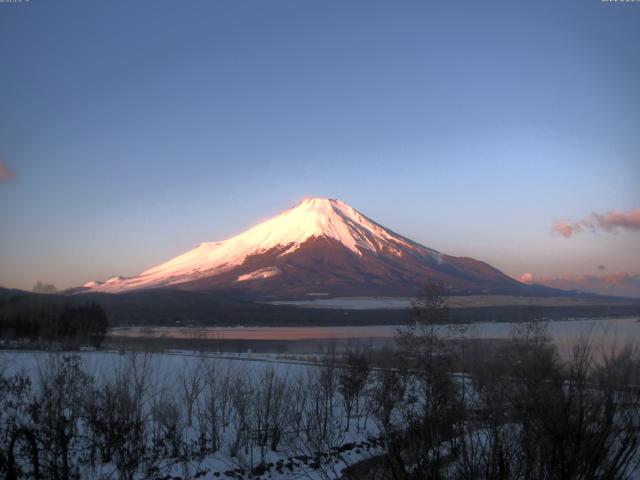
(566, 229)
(618, 283)
(6, 175)
(614, 220)
(527, 278)
(608, 222)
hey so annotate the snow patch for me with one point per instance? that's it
(259, 274)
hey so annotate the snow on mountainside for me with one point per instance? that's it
(318, 244)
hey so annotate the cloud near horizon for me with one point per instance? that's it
(622, 284)
(6, 175)
(608, 222)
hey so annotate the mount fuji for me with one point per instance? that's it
(319, 247)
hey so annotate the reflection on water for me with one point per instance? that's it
(603, 331)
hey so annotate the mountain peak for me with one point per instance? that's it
(312, 218)
(318, 205)
(315, 235)
(321, 206)
(319, 202)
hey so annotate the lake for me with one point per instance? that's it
(602, 331)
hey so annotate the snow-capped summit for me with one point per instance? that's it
(318, 245)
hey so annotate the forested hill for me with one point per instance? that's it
(46, 318)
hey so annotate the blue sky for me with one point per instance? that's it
(137, 130)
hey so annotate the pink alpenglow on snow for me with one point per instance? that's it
(311, 218)
(319, 245)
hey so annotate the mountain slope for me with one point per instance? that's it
(318, 247)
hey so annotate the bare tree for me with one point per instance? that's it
(352, 379)
(240, 394)
(545, 417)
(18, 443)
(58, 409)
(322, 424)
(191, 387)
(214, 406)
(420, 403)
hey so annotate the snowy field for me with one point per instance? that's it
(205, 417)
(186, 415)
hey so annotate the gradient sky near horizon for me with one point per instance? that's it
(135, 130)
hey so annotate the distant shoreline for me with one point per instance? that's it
(457, 301)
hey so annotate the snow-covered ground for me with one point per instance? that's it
(211, 415)
(252, 396)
